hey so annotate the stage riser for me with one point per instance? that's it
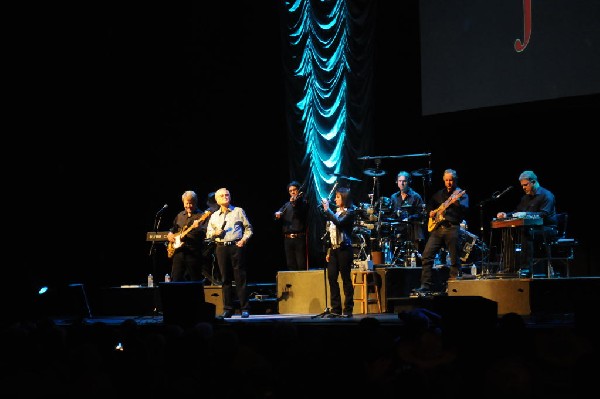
(531, 296)
(303, 292)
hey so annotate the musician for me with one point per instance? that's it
(447, 208)
(230, 229)
(407, 205)
(292, 216)
(340, 254)
(187, 259)
(537, 202)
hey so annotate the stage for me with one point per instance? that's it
(299, 296)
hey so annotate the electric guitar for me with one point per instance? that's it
(174, 245)
(440, 211)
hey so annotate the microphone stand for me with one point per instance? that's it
(485, 261)
(485, 250)
(153, 254)
(327, 310)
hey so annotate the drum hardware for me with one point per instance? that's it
(364, 224)
(384, 204)
(359, 248)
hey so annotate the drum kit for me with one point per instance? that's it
(379, 228)
(383, 231)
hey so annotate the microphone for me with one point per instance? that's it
(503, 192)
(165, 206)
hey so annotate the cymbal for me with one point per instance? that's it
(374, 172)
(421, 172)
(341, 176)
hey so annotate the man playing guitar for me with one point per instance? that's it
(447, 209)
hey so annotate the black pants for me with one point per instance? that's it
(295, 253)
(186, 265)
(340, 263)
(442, 236)
(232, 264)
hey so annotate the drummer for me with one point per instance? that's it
(407, 205)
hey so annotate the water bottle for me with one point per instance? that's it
(473, 270)
(167, 278)
(150, 281)
(413, 259)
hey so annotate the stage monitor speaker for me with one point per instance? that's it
(68, 302)
(183, 303)
(301, 292)
(214, 294)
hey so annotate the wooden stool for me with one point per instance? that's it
(367, 279)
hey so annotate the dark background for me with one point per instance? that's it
(123, 108)
(469, 60)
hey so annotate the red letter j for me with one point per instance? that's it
(520, 46)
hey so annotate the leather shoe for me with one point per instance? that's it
(226, 314)
(245, 314)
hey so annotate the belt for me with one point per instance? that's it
(445, 224)
(294, 235)
(226, 243)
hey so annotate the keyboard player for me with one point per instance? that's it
(537, 202)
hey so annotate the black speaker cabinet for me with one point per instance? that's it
(183, 303)
(464, 316)
(127, 301)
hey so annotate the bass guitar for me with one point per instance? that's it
(172, 246)
(440, 211)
